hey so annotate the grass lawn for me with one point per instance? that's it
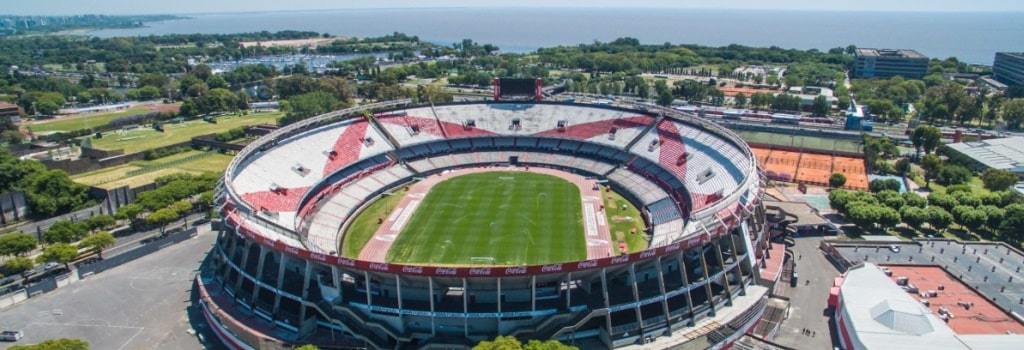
(622, 222)
(365, 225)
(117, 176)
(81, 122)
(145, 138)
(516, 218)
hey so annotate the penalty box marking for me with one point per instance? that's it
(405, 215)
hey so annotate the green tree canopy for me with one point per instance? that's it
(65, 231)
(17, 244)
(953, 175)
(98, 241)
(308, 105)
(915, 217)
(914, 199)
(102, 221)
(162, 217)
(997, 179)
(61, 253)
(926, 138)
(939, 218)
(836, 180)
(19, 265)
(511, 343)
(1012, 227)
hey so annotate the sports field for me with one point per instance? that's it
(504, 218)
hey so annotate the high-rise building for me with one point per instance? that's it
(886, 63)
(1008, 68)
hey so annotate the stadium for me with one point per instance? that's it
(394, 225)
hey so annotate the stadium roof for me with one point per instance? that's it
(885, 317)
(1003, 153)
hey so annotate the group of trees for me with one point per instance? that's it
(49, 192)
(996, 212)
(177, 195)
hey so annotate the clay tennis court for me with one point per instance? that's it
(811, 168)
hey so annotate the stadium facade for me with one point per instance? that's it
(276, 278)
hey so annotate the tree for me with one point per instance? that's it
(18, 265)
(1013, 113)
(17, 244)
(162, 217)
(55, 344)
(102, 221)
(130, 212)
(887, 217)
(914, 199)
(741, 100)
(926, 137)
(665, 98)
(967, 198)
(65, 231)
(903, 166)
(878, 185)
(942, 200)
(305, 106)
(60, 253)
(953, 175)
(98, 241)
(939, 218)
(997, 179)
(837, 180)
(891, 199)
(914, 216)
(52, 192)
(994, 215)
(149, 93)
(863, 214)
(511, 343)
(821, 106)
(1012, 227)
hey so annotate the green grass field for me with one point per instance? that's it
(622, 222)
(81, 122)
(117, 176)
(145, 138)
(513, 217)
(361, 230)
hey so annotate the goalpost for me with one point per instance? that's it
(482, 260)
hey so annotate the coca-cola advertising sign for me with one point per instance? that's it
(485, 271)
(516, 270)
(446, 271)
(551, 268)
(413, 269)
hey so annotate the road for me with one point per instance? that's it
(809, 299)
(144, 304)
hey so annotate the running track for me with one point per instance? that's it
(595, 225)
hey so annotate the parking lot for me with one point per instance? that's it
(140, 305)
(993, 270)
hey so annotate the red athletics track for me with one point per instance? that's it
(595, 226)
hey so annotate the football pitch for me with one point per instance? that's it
(500, 218)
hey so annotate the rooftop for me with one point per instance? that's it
(982, 318)
(1019, 55)
(1002, 153)
(884, 316)
(894, 53)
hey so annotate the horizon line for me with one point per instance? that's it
(613, 7)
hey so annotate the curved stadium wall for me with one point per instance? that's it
(274, 275)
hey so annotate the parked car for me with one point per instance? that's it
(11, 335)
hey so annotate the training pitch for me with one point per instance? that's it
(503, 218)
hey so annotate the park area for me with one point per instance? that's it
(504, 218)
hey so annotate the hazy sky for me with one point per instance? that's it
(63, 7)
